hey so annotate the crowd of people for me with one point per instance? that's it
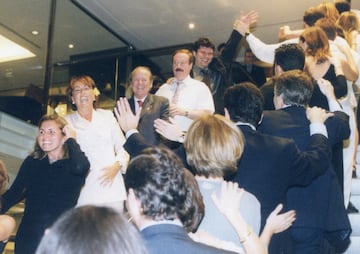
(220, 159)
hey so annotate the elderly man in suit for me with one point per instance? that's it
(152, 106)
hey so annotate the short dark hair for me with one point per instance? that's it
(295, 87)
(91, 229)
(343, 6)
(244, 103)
(312, 15)
(203, 42)
(157, 178)
(290, 57)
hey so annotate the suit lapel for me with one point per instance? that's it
(147, 106)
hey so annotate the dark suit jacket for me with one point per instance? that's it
(168, 238)
(136, 143)
(320, 204)
(154, 107)
(271, 165)
(257, 74)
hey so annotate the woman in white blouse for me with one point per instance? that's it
(102, 141)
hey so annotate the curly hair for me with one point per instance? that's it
(157, 178)
(295, 87)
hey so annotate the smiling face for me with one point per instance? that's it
(203, 56)
(181, 65)
(141, 82)
(50, 138)
(82, 95)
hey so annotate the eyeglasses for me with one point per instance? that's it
(78, 89)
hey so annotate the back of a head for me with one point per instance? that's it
(317, 43)
(342, 6)
(213, 146)
(157, 179)
(91, 230)
(312, 15)
(295, 87)
(244, 103)
(328, 26)
(290, 57)
(349, 21)
(329, 10)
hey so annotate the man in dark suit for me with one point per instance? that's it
(152, 106)
(156, 194)
(321, 214)
(271, 165)
(256, 73)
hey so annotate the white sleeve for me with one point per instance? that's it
(265, 52)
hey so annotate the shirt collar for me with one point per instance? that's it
(246, 124)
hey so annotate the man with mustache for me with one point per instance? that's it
(189, 98)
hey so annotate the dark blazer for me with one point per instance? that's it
(153, 107)
(271, 165)
(169, 238)
(257, 74)
(136, 143)
(319, 205)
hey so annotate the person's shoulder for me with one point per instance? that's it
(159, 98)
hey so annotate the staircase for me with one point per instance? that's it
(354, 247)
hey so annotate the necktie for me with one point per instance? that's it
(176, 95)
(140, 103)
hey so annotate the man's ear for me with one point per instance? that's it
(278, 70)
(227, 115)
(262, 116)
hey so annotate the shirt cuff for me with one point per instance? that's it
(318, 128)
(334, 105)
(130, 132)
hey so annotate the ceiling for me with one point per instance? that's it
(140, 24)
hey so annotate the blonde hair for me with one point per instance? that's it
(213, 146)
(329, 10)
(349, 22)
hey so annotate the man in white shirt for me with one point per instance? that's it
(189, 98)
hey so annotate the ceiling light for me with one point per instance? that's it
(34, 32)
(71, 46)
(191, 25)
(10, 51)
